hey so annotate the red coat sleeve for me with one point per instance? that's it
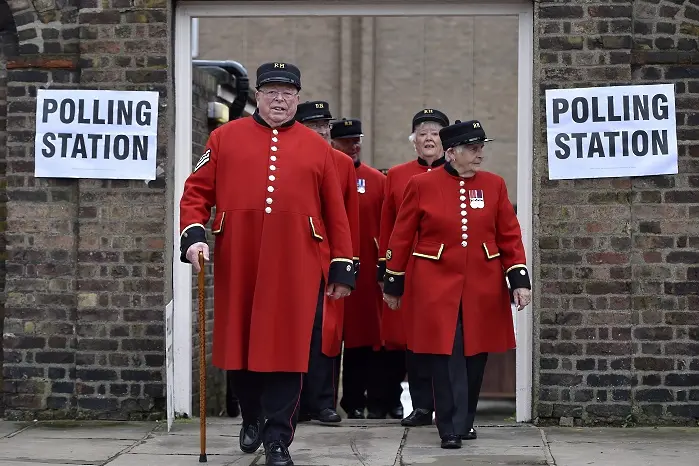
(337, 226)
(401, 240)
(352, 208)
(198, 198)
(508, 236)
(388, 219)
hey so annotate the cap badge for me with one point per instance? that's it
(279, 65)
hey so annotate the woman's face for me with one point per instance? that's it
(427, 141)
(466, 159)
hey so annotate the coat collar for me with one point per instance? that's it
(256, 116)
(436, 163)
(452, 171)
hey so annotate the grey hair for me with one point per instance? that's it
(412, 136)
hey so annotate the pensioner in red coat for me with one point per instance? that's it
(468, 240)
(363, 306)
(280, 226)
(393, 322)
(332, 343)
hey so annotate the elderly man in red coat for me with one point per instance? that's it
(363, 378)
(318, 397)
(283, 246)
(455, 240)
(425, 139)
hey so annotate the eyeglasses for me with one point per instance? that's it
(286, 95)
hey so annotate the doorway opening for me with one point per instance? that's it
(365, 58)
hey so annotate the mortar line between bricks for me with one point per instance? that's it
(398, 461)
(550, 460)
(127, 449)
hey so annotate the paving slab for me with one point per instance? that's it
(179, 460)
(494, 446)
(34, 463)
(51, 450)
(214, 427)
(346, 446)
(90, 430)
(7, 428)
(620, 447)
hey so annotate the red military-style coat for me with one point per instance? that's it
(280, 226)
(393, 322)
(363, 306)
(332, 341)
(468, 241)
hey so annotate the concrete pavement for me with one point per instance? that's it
(360, 443)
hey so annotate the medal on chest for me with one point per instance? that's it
(476, 198)
(361, 185)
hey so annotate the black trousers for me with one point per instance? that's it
(419, 381)
(457, 381)
(361, 387)
(273, 396)
(372, 379)
(392, 369)
(319, 386)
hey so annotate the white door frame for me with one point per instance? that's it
(182, 273)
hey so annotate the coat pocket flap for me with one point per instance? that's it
(317, 230)
(217, 226)
(428, 250)
(491, 250)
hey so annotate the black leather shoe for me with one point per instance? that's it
(276, 454)
(355, 414)
(451, 442)
(396, 413)
(250, 437)
(376, 415)
(419, 417)
(329, 415)
(472, 435)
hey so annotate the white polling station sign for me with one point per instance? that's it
(100, 134)
(616, 131)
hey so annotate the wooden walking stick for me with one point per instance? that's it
(202, 362)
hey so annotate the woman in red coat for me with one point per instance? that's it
(468, 241)
(430, 155)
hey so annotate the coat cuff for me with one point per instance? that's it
(380, 270)
(342, 272)
(518, 276)
(355, 263)
(394, 283)
(194, 233)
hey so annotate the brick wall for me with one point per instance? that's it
(617, 281)
(87, 265)
(8, 48)
(204, 87)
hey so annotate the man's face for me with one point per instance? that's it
(351, 146)
(321, 127)
(427, 141)
(277, 102)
